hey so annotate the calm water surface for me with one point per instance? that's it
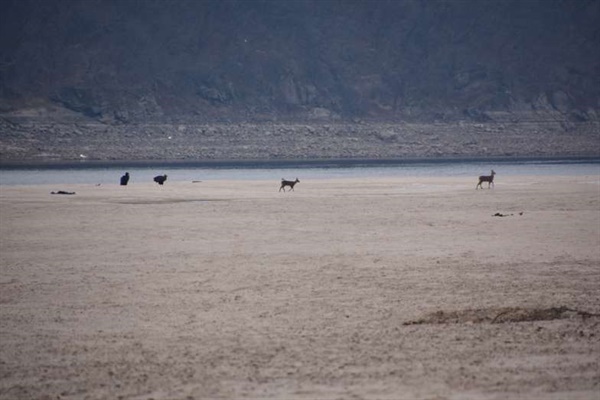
(84, 173)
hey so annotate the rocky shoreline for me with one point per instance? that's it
(58, 141)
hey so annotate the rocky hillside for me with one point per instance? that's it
(74, 73)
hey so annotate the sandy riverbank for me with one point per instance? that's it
(356, 288)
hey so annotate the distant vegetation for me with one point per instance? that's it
(128, 61)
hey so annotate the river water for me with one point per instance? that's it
(109, 173)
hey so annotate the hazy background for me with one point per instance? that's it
(228, 61)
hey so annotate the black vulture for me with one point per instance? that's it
(125, 179)
(160, 179)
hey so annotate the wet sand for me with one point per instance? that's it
(383, 288)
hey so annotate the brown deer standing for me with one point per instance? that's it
(486, 178)
(285, 183)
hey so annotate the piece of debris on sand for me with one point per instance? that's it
(62, 192)
(500, 315)
(505, 215)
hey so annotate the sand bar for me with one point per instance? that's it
(356, 288)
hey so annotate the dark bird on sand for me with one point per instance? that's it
(125, 179)
(160, 179)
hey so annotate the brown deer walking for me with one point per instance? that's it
(285, 183)
(486, 178)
